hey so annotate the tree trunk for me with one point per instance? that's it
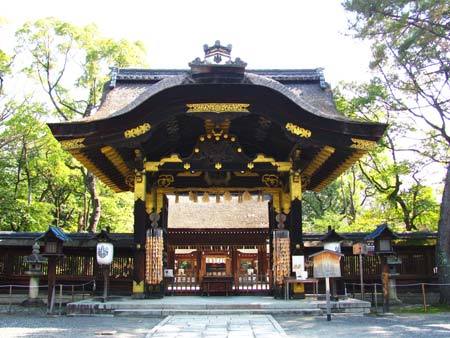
(443, 242)
(95, 201)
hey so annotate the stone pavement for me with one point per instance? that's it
(230, 326)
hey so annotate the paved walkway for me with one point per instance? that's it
(229, 326)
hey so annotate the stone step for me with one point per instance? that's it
(169, 312)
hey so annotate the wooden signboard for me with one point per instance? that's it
(327, 264)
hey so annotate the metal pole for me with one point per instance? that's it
(424, 298)
(327, 290)
(105, 282)
(52, 299)
(10, 298)
(60, 297)
(376, 298)
(361, 275)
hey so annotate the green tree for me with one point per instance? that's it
(410, 45)
(387, 170)
(71, 64)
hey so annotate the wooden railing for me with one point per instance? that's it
(417, 265)
(253, 283)
(182, 284)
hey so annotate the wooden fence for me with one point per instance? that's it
(417, 266)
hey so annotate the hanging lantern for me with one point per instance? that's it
(177, 198)
(195, 197)
(227, 196)
(246, 196)
(205, 197)
(191, 196)
(240, 199)
(217, 198)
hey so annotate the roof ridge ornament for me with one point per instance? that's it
(217, 59)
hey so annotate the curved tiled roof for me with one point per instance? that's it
(129, 88)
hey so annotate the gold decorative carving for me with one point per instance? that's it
(189, 174)
(129, 180)
(154, 166)
(218, 108)
(250, 165)
(75, 143)
(165, 181)
(187, 166)
(363, 144)
(318, 160)
(245, 174)
(83, 159)
(261, 158)
(137, 131)
(283, 166)
(285, 202)
(174, 158)
(139, 185)
(151, 166)
(276, 201)
(149, 202)
(295, 186)
(297, 130)
(138, 287)
(271, 180)
(159, 201)
(218, 165)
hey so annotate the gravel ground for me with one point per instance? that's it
(342, 325)
(346, 325)
(35, 325)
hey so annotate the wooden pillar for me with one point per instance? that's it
(234, 266)
(199, 265)
(272, 226)
(294, 217)
(51, 278)
(140, 222)
(171, 258)
(164, 225)
(262, 260)
(385, 282)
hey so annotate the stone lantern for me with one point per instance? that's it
(382, 238)
(35, 262)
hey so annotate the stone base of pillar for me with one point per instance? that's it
(278, 292)
(154, 291)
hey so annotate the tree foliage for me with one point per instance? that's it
(41, 183)
(410, 45)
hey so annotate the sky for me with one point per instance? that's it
(265, 34)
